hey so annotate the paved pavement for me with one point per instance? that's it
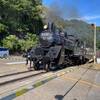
(81, 84)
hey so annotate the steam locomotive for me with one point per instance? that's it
(57, 49)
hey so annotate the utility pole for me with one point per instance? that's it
(94, 30)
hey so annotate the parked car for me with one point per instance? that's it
(4, 52)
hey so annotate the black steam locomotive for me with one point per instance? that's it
(57, 49)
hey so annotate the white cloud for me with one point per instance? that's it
(86, 18)
(90, 17)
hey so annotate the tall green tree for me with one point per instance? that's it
(21, 16)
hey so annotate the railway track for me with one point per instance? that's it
(16, 73)
(10, 78)
(13, 77)
(14, 82)
(18, 76)
(18, 81)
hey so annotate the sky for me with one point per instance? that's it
(87, 10)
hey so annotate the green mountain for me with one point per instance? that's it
(80, 29)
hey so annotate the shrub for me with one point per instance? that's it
(11, 42)
(20, 45)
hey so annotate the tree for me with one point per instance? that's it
(20, 45)
(30, 41)
(11, 42)
(21, 15)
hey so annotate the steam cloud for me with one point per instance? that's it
(64, 10)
